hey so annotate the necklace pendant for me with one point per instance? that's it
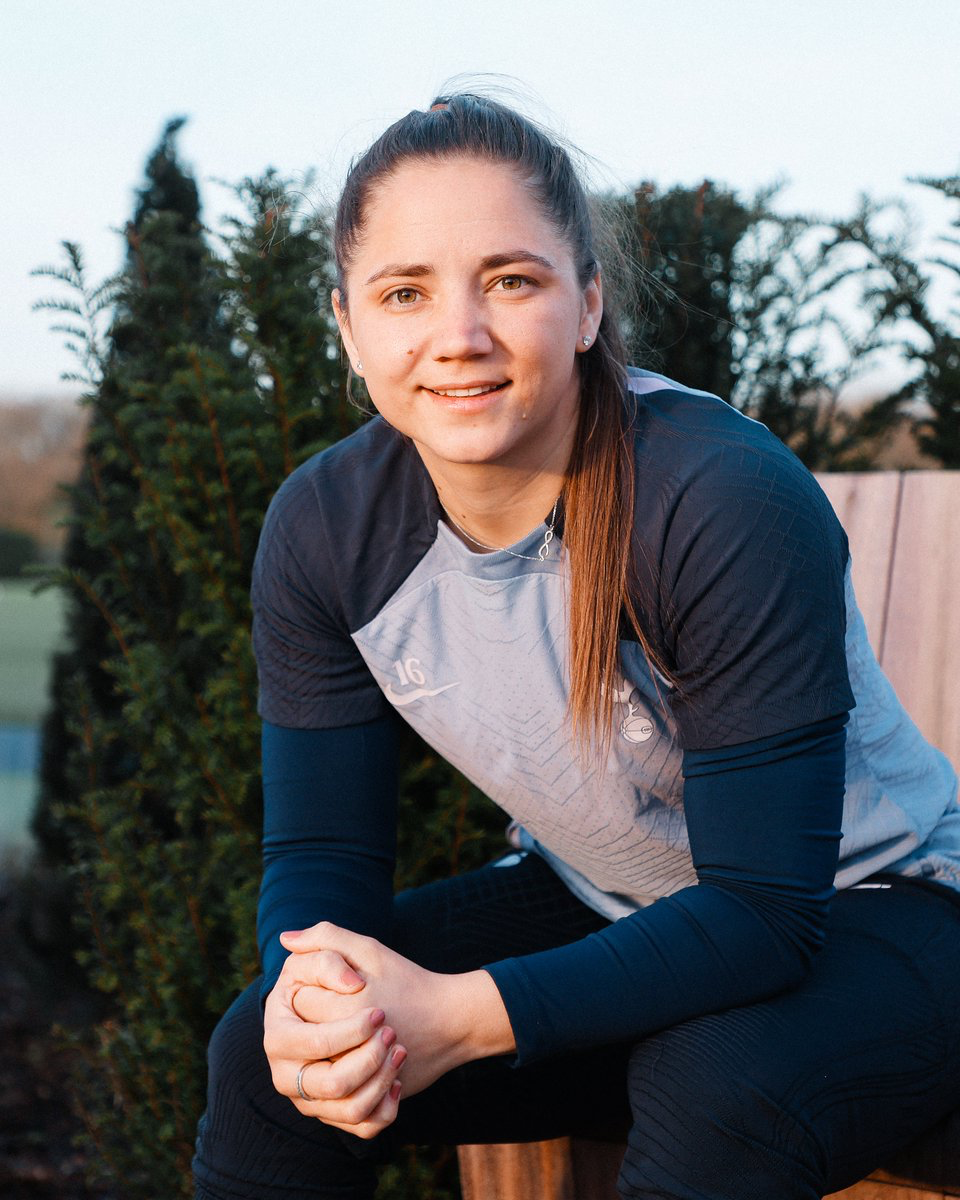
(542, 553)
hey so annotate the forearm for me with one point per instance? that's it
(764, 835)
(305, 887)
(699, 951)
(329, 832)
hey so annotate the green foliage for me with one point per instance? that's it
(746, 303)
(685, 240)
(150, 752)
(17, 550)
(794, 354)
(938, 385)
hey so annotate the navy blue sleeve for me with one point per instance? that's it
(329, 832)
(740, 578)
(764, 823)
(310, 671)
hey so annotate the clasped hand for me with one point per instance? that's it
(346, 1015)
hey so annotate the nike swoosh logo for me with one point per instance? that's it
(402, 698)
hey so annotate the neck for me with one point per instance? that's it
(498, 505)
(501, 501)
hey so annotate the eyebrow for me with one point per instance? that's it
(490, 263)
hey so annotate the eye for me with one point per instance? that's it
(404, 295)
(512, 283)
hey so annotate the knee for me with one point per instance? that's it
(706, 1123)
(252, 1141)
(239, 1085)
(236, 1062)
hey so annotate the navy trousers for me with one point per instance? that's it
(790, 1098)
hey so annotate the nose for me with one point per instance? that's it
(462, 328)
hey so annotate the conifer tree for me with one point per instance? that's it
(741, 305)
(157, 797)
(685, 241)
(939, 383)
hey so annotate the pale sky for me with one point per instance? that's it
(834, 96)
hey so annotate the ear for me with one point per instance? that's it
(591, 310)
(343, 324)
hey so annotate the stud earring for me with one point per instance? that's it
(585, 340)
(359, 365)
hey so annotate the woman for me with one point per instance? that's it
(624, 610)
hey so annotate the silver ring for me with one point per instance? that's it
(300, 1092)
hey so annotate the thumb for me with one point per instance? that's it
(322, 936)
(324, 968)
(326, 936)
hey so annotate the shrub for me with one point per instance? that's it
(17, 550)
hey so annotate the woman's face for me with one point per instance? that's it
(465, 310)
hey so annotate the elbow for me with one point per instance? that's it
(786, 926)
(784, 955)
(798, 963)
(798, 923)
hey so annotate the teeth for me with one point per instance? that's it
(477, 391)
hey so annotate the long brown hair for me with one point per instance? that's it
(599, 489)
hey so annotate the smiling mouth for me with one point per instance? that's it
(463, 393)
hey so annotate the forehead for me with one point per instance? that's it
(462, 206)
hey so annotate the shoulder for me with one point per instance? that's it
(679, 430)
(700, 464)
(352, 520)
(739, 569)
(362, 468)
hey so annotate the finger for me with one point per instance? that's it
(323, 968)
(383, 1115)
(324, 936)
(299, 1041)
(386, 1111)
(357, 1108)
(317, 1004)
(351, 1071)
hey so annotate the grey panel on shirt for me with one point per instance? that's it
(472, 651)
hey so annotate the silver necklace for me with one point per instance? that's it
(541, 554)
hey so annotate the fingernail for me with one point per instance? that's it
(398, 1057)
(395, 1089)
(388, 1036)
(376, 1017)
(291, 933)
(350, 978)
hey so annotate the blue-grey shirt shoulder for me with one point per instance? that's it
(684, 428)
(341, 534)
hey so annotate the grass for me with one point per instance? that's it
(31, 627)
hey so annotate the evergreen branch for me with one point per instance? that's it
(221, 457)
(64, 306)
(89, 591)
(283, 417)
(115, 552)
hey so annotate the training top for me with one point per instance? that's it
(365, 601)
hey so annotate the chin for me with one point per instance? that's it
(470, 451)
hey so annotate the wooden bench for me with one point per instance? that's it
(903, 531)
